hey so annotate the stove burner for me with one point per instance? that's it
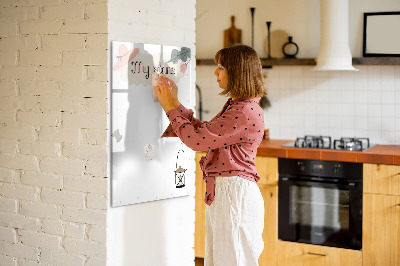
(324, 142)
(351, 144)
(308, 141)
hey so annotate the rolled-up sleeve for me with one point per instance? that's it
(223, 131)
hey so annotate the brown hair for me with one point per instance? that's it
(245, 78)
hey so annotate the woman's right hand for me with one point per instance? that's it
(174, 90)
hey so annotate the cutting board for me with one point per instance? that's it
(232, 35)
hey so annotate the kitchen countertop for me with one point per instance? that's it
(379, 154)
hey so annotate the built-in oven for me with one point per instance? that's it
(320, 202)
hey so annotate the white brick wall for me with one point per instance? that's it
(53, 126)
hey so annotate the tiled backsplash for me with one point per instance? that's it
(338, 104)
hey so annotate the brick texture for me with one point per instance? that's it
(53, 89)
(54, 82)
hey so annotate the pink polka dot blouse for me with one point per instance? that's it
(231, 139)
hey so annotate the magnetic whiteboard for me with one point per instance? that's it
(146, 167)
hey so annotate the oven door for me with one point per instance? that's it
(320, 212)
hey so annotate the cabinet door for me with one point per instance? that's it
(381, 179)
(267, 168)
(200, 207)
(381, 230)
(270, 233)
(297, 254)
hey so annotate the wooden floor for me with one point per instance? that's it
(199, 262)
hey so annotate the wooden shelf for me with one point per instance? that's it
(312, 61)
(376, 61)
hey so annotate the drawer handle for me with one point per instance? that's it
(318, 254)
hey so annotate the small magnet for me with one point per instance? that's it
(149, 152)
(117, 135)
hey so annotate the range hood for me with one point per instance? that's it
(334, 51)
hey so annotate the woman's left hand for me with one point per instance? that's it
(163, 92)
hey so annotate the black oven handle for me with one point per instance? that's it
(315, 183)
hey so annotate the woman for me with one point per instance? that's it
(235, 207)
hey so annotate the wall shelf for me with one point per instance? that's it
(312, 61)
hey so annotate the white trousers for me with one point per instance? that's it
(234, 223)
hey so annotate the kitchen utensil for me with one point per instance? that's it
(269, 38)
(252, 9)
(232, 35)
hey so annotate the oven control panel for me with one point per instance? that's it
(330, 169)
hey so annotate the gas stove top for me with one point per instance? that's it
(325, 142)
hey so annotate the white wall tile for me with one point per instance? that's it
(388, 84)
(348, 95)
(285, 72)
(397, 94)
(297, 83)
(360, 81)
(387, 72)
(322, 109)
(347, 109)
(335, 122)
(338, 104)
(388, 110)
(361, 123)
(360, 133)
(322, 95)
(397, 110)
(361, 110)
(374, 97)
(388, 124)
(284, 83)
(322, 81)
(397, 72)
(297, 72)
(310, 108)
(374, 83)
(397, 122)
(334, 80)
(360, 97)
(308, 72)
(388, 97)
(389, 137)
(375, 136)
(348, 133)
(335, 95)
(374, 110)
(374, 123)
(322, 121)
(348, 122)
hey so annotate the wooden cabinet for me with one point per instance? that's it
(381, 221)
(200, 207)
(381, 215)
(298, 254)
(267, 168)
(381, 179)
(270, 233)
(381, 230)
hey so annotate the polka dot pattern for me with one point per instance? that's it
(231, 139)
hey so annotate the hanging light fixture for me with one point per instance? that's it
(334, 51)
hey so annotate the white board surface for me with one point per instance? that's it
(144, 166)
